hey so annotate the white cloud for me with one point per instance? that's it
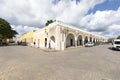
(30, 12)
(72, 13)
(114, 30)
(37, 12)
(105, 22)
(23, 29)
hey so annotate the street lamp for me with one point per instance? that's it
(66, 31)
(46, 32)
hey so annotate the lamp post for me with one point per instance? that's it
(46, 33)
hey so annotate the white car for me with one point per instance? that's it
(116, 44)
(89, 44)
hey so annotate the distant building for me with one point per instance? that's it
(59, 36)
(26, 37)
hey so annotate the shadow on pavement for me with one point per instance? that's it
(113, 49)
(14, 44)
(10, 44)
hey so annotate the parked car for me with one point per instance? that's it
(3, 43)
(89, 44)
(116, 44)
(24, 44)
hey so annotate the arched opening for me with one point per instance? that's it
(90, 39)
(86, 40)
(79, 40)
(97, 42)
(45, 42)
(52, 42)
(94, 41)
(70, 40)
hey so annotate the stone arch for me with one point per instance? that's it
(70, 40)
(97, 41)
(86, 39)
(79, 40)
(52, 38)
(52, 42)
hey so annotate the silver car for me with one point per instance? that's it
(89, 44)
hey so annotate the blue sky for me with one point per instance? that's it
(107, 5)
(97, 16)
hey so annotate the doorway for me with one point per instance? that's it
(71, 42)
(45, 42)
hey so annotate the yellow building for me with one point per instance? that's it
(27, 37)
(9, 40)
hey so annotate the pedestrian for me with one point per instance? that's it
(18, 42)
(34, 43)
(49, 45)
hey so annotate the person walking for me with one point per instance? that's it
(34, 44)
(49, 45)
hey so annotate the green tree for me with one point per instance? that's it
(5, 30)
(118, 37)
(49, 22)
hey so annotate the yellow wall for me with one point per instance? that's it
(9, 40)
(28, 37)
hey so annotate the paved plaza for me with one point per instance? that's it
(82, 63)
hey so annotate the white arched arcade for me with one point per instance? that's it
(79, 40)
(70, 40)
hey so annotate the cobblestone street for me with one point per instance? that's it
(82, 63)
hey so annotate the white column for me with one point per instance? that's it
(75, 41)
(62, 41)
(83, 41)
(92, 40)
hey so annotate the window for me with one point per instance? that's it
(117, 42)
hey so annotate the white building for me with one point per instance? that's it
(59, 36)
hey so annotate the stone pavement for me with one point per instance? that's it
(91, 63)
